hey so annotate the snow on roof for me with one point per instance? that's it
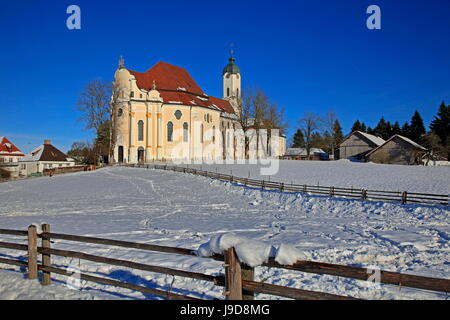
(34, 155)
(377, 140)
(302, 151)
(7, 148)
(414, 144)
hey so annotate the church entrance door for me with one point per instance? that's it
(120, 154)
(141, 155)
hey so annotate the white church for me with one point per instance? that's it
(163, 115)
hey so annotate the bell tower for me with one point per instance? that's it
(231, 77)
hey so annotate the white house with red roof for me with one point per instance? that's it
(10, 156)
(163, 114)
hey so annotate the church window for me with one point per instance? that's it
(185, 132)
(178, 114)
(120, 112)
(237, 91)
(132, 94)
(170, 131)
(141, 130)
(214, 134)
(228, 92)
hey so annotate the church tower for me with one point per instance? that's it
(231, 81)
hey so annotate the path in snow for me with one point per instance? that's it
(177, 209)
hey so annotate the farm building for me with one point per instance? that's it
(9, 157)
(46, 156)
(358, 144)
(302, 154)
(398, 150)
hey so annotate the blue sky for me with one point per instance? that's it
(306, 55)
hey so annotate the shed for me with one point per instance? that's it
(398, 150)
(358, 144)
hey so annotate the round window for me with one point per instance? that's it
(178, 114)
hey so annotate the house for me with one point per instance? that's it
(358, 144)
(398, 150)
(163, 114)
(9, 157)
(46, 156)
(302, 154)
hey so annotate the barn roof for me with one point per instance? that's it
(302, 151)
(176, 86)
(407, 140)
(368, 137)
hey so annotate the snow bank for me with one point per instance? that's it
(251, 252)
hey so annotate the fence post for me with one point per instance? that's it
(32, 253)
(364, 194)
(281, 186)
(233, 276)
(46, 259)
(331, 191)
(248, 274)
(404, 197)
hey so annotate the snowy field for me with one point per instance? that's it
(344, 173)
(176, 209)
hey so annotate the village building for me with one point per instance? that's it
(163, 115)
(46, 156)
(302, 154)
(358, 144)
(398, 150)
(9, 157)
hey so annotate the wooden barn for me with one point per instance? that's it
(302, 154)
(398, 150)
(358, 144)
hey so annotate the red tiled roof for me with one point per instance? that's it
(8, 149)
(177, 86)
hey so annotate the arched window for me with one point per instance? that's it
(228, 92)
(169, 131)
(237, 92)
(214, 134)
(185, 132)
(141, 130)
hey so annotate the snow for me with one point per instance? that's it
(183, 210)
(13, 286)
(34, 155)
(377, 140)
(345, 173)
(251, 252)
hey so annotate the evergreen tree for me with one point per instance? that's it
(396, 128)
(299, 140)
(370, 130)
(356, 126)
(441, 123)
(382, 129)
(406, 130)
(363, 127)
(417, 129)
(338, 135)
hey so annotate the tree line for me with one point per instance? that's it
(436, 139)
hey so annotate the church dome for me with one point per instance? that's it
(231, 67)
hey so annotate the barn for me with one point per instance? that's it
(398, 150)
(358, 144)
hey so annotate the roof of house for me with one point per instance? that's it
(45, 152)
(370, 137)
(407, 140)
(9, 149)
(176, 86)
(302, 151)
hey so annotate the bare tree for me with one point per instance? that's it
(94, 105)
(310, 124)
(244, 114)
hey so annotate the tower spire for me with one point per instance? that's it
(121, 62)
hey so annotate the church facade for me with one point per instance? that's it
(163, 115)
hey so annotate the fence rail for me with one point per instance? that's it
(365, 194)
(238, 278)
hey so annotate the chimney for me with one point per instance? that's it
(47, 142)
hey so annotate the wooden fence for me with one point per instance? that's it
(237, 280)
(365, 194)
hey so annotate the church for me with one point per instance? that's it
(163, 115)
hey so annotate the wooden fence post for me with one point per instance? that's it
(248, 274)
(32, 253)
(364, 194)
(233, 276)
(46, 259)
(404, 197)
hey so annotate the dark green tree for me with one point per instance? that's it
(383, 129)
(417, 129)
(441, 123)
(406, 130)
(298, 140)
(396, 128)
(338, 135)
(357, 126)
